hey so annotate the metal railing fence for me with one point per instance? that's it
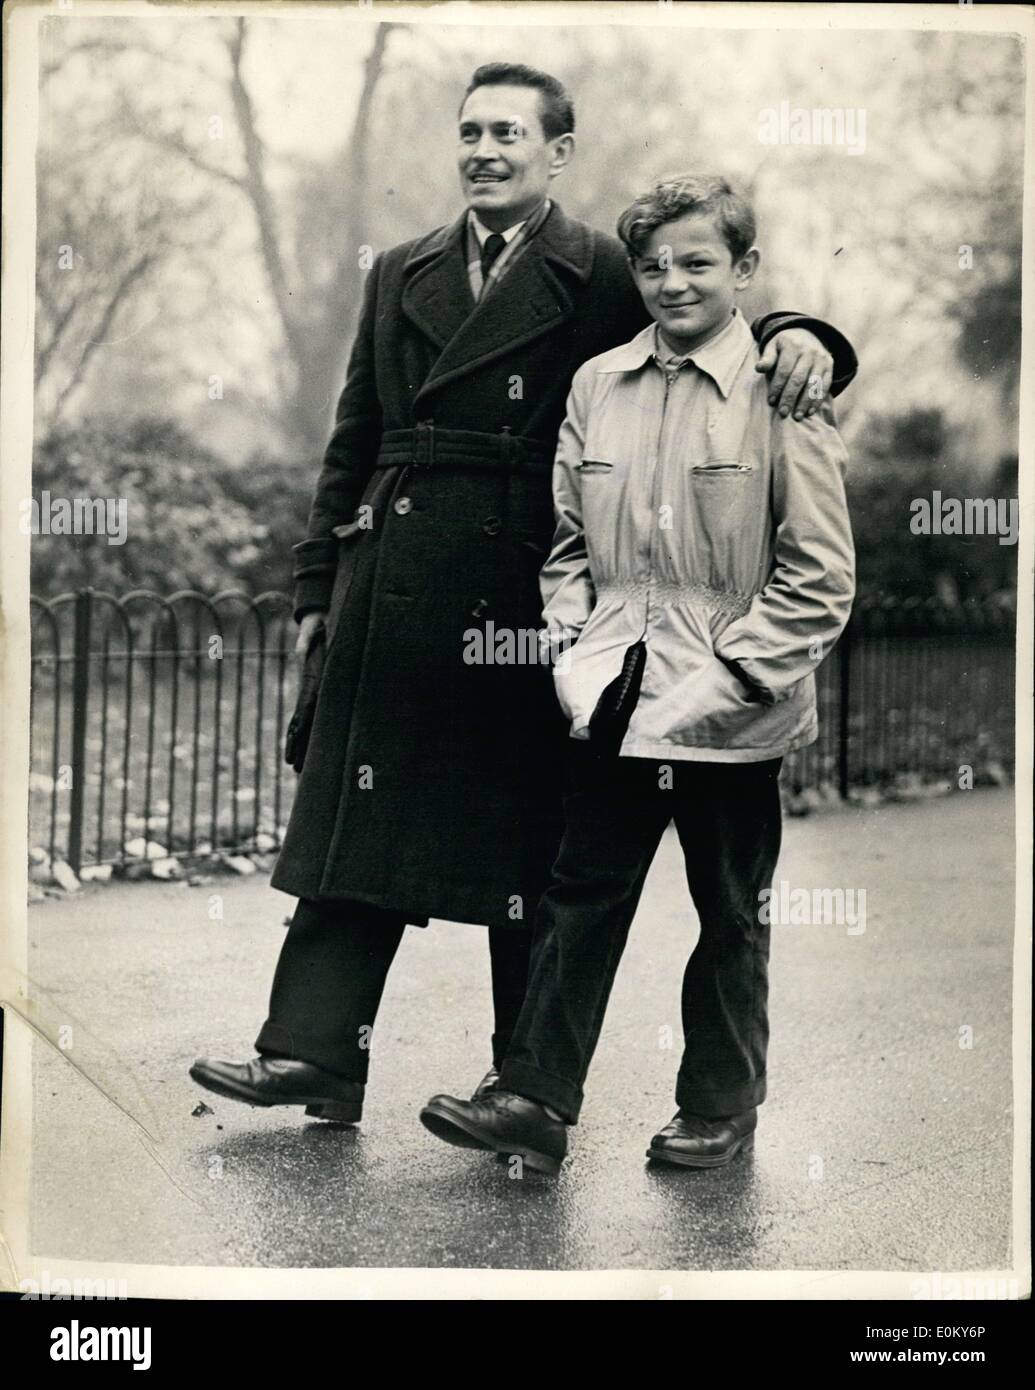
(157, 723)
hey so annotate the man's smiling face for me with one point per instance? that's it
(505, 161)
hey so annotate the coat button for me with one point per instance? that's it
(492, 526)
(403, 505)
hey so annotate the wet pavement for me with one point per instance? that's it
(885, 1144)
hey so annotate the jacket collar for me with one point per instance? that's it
(532, 298)
(721, 357)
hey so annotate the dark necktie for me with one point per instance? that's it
(491, 249)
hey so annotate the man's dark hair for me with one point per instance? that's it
(684, 194)
(556, 112)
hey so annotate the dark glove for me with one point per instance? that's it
(301, 725)
(610, 719)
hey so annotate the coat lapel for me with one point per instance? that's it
(530, 300)
(437, 294)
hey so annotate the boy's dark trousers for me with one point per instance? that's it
(727, 816)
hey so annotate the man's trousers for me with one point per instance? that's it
(331, 975)
(727, 817)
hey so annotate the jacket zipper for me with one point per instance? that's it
(670, 377)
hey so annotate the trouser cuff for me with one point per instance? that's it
(500, 1044)
(712, 1103)
(524, 1080)
(287, 1042)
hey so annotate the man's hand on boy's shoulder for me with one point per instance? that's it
(813, 424)
(800, 371)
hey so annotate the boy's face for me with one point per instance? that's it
(689, 280)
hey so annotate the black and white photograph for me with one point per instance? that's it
(517, 604)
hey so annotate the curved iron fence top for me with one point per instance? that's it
(260, 610)
(46, 612)
(141, 611)
(253, 606)
(1004, 602)
(264, 598)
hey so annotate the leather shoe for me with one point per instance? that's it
(487, 1086)
(696, 1142)
(503, 1122)
(282, 1081)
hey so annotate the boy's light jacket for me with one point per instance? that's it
(691, 515)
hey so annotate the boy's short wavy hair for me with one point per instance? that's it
(684, 194)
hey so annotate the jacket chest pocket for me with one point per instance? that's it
(601, 482)
(728, 503)
(723, 490)
(721, 468)
(726, 453)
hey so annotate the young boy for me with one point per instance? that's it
(703, 562)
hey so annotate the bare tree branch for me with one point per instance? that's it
(129, 278)
(308, 366)
(359, 145)
(60, 320)
(175, 144)
(115, 48)
(255, 186)
(307, 407)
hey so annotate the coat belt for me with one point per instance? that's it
(428, 446)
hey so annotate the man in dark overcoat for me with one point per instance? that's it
(430, 786)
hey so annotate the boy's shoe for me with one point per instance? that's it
(696, 1142)
(503, 1122)
(282, 1081)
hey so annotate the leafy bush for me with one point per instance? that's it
(910, 456)
(193, 521)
